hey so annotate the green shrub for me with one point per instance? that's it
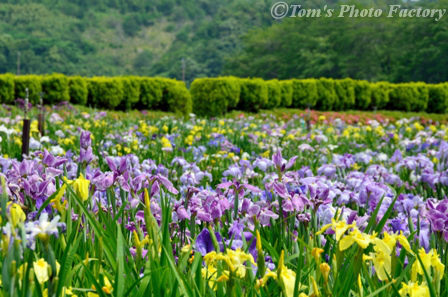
(105, 92)
(7, 88)
(438, 98)
(420, 103)
(401, 97)
(380, 95)
(304, 93)
(254, 94)
(175, 97)
(327, 97)
(274, 94)
(78, 91)
(131, 89)
(214, 96)
(363, 94)
(345, 90)
(32, 82)
(151, 93)
(286, 86)
(55, 87)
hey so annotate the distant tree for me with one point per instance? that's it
(131, 26)
(143, 62)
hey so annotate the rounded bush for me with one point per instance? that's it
(327, 97)
(105, 92)
(286, 87)
(214, 96)
(438, 98)
(345, 90)
(131, 89)
(151, 93)
(420, 103)
(32, 82)
(7, 88)
(380, 95)
(254, 94)
(304, 93)
(274, 94)
(56, 88)
(78, 90)
(175, 97)
(363, 94)
(401, 97)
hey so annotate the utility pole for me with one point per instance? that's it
(183, 69)
(18, 63)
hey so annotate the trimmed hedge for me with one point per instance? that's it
(175, 97)
(380, 95)
(438, 98)
(254, 94)
(7, 88)
(286, 86)
(151, 93)
(131, 89)
(105, 92)
(34, 85)
(274, 94)
(304, 93)
(327, 98)
(363, 94)
(345, 90)
(78, 90)
(214, 96)
(56, 88)
(408, 97)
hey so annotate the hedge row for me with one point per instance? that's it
(215, 96)
(102, 92)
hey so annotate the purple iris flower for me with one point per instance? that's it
(204, 243)
(396, 157)
(85, 139)
(438, 216)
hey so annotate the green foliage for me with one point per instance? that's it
(286, 87)
(105, 92)
(56, 88)
(78, 90)
(165, 94)
(327, 96)
(131, 89)
(176, 97)
(402, 96)
(254, 94)
(345, 89)
(274, 94)
(380, 95)
(6, 88)
(375, 49)
(438, 98)
(32, 82)
(304, 93)
(420, 103)
(363, 94)
(131, 26)
(151, 93)
(214, 96)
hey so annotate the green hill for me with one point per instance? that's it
(234, 37)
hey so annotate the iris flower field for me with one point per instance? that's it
(149, 204)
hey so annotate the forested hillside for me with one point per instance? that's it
(235, 37)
